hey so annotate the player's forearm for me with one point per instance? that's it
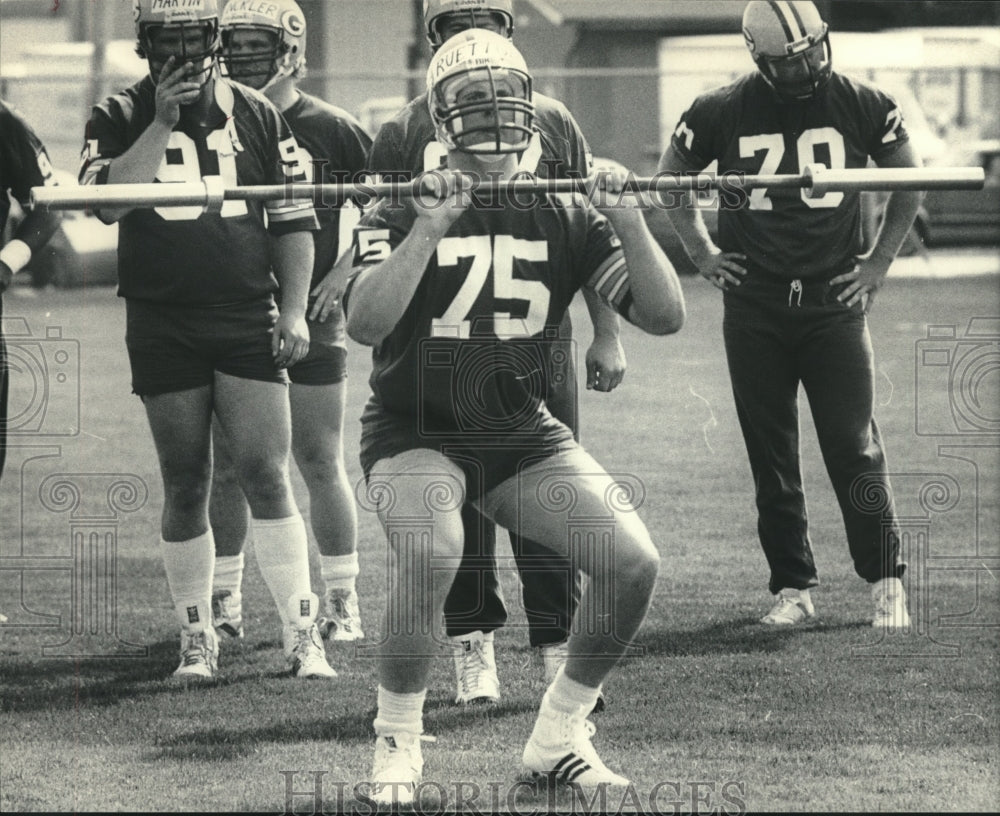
(381, 294)
(37, 228)
(900, 211)
(605, 319)
(293, 264)
(137, 165)
(31, 235)
(682, 212)
(657, 297)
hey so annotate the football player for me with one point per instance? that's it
(24, 164)
(203, 331)
(797, 286)
(264, 46)
(405, 146)
(459, 295)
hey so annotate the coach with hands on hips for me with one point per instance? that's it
(797, 287)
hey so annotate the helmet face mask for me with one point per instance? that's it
(445, 18)
(189, 35)
(263, 43)
(479, 94)
(250, 54)
(790, 44)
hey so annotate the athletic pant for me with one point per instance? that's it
(550, 589)
(780, 333)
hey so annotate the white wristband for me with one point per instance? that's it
(16, 255)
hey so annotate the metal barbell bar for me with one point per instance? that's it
(210, 193)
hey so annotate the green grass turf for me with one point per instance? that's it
(716, 712)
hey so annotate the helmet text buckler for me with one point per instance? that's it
(284, 21)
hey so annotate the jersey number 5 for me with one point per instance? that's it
(500, 255)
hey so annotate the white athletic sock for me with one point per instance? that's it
(399, 712)
(566, 696)
(228, 573)
(339, 571)
(283, 557)
(189, 566)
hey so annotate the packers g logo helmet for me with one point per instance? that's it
(285, 26)
(151, 16)
(790, 44)
(479, 94)
(436, 11)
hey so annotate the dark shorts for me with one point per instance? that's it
(326, 362)
(486, 462)
(180, 347)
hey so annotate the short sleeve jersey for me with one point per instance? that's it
(407, 144)
(747, 130)
(470, 358)
(336, 147)
(23, 161)
(182, 255)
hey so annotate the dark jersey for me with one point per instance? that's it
(180, 254)
(470, 361)
(746, 129)
(407, 144)
(337, 147)
(23, 161)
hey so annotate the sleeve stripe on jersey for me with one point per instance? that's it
(92, 172)
(610, 280)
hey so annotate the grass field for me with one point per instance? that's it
(717, 713)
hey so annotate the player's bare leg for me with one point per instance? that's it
(230, 516)
(256, 419)
(419, 494)
(180, 423)
(621, 564)
(317, 443)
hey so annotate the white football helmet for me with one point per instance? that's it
(285, 26)
(790, 44)
(153, 16)
(479, 94)
(436, 11)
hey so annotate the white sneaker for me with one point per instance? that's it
(475, 668)
(554, 656)
(567, 755)
(199, 655)
(342, 620)
(227, 613)
(792, 606)
(398, 768)
(303, 644)
(890, 605)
